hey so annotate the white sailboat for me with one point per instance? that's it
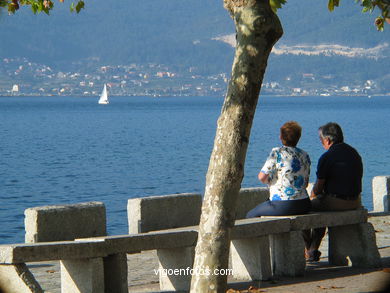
(104, 97)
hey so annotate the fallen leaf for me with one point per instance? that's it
(253, 289)
(50, 271)
(335, 287)
(386, 270)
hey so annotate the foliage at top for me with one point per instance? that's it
(46, 6)
(38, 6)
(368, 6)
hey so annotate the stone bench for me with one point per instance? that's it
(351, 238)
(275, 252)
(91, 264)
(87, 265)
(261, 247)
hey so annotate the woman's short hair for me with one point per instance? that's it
(290, 133)
(332, 131)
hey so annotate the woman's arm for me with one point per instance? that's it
(263, 177)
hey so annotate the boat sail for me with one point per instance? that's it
(104, 97)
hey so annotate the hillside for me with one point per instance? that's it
(172, 31)
(187, 33)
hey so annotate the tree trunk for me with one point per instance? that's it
(258, 29)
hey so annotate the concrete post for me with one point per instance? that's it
(381, 193)
(248, 198)
(17, 278)
(175, 268)
(288, 256)
(65, 222)
(251, 259)
(358, 242)
(115, 273)
(82, 276)
(163, 212)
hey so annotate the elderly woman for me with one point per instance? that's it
(286, 171)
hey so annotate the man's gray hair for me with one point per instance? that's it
(332, 131)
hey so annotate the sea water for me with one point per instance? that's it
(63, 150)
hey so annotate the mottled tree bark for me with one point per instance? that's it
(258, 29)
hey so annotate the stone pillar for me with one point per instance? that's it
(115, 273)
(381, 193)
(65, 222)
(251, 259)
(154, 213)
(17, 278)
(288, 254)
(356, 242)
(82, 276)
(175, 267)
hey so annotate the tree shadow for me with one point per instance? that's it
(319, 271)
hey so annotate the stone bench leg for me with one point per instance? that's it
(251, 259)
(17, 278)
(358, 242)
(82, 276)
(288, 254)
(174, 268)
(115, 273)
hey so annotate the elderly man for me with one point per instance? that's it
(338, 185)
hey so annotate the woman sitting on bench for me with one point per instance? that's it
(286, 171)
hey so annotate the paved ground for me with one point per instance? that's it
(319, 277)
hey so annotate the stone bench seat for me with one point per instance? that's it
(88, 265)
(260, 247)
(96, 247)
(250, 251)
(81, 257)
(314, 220)
(130, 243)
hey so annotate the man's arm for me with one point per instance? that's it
(318, 188)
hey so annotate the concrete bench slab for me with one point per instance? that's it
(324, 219)
(255, 227)
(350, 236)
(96, 247)
(165, 239)
(44, 251)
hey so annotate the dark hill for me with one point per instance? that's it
(173, 32)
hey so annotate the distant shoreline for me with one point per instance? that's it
(187, 96)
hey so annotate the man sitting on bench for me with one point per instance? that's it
(338, 185)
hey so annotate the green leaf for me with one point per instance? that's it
(366, 9)
(276, 4)
(79, 6)
(11, 8)
(332, 4)
(380, 23)
(34, 8)
(3, 3)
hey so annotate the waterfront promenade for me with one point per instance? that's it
(319, 277)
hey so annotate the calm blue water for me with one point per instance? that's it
(68, 150)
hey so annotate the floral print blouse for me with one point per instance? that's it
(288, 170)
